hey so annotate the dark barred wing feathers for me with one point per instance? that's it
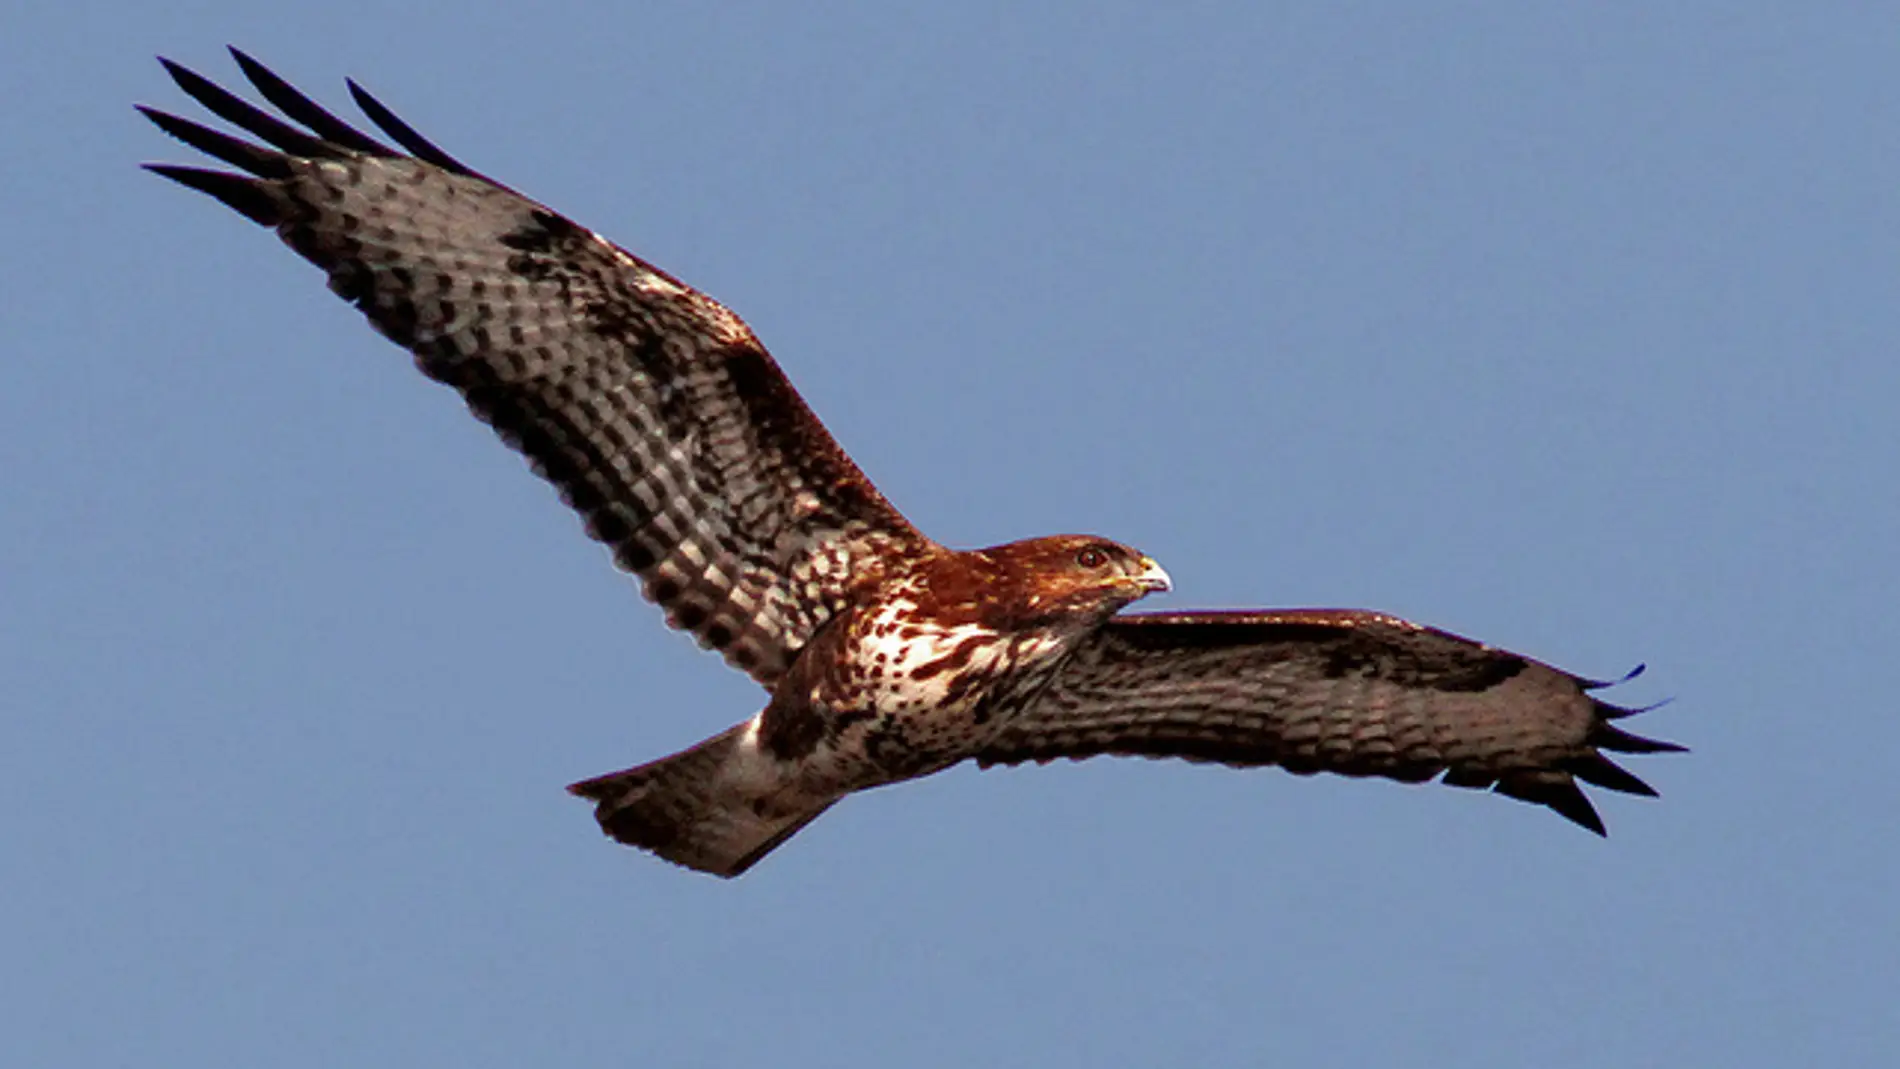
(1356, 693)
(652, 408)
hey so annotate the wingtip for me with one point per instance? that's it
(591, 789)
(254, 72)
(1556, 792)
(404, 134)
(1600, 771)
(258, 161)
(187, 79)
(1599, 684)
(1573, 805)
(247, 196)
(1616, 740)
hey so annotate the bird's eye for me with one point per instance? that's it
(1091, 557)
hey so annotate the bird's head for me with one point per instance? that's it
(1079, 576)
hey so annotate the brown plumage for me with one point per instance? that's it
(661, 420)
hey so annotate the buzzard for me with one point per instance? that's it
(665, 424)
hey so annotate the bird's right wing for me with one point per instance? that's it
(651, 407)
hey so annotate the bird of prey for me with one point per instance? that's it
(666, 425)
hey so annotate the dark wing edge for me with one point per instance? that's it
(651, 407)
(1327, 690)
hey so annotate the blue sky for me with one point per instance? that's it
(1569, 329)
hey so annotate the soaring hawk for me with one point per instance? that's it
(661, 420)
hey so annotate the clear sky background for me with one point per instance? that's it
(1571, 329)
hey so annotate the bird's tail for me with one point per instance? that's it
(692, 808)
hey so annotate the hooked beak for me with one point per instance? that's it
(1152, 579)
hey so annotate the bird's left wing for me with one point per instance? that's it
(651, 407)
(1322, 690)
